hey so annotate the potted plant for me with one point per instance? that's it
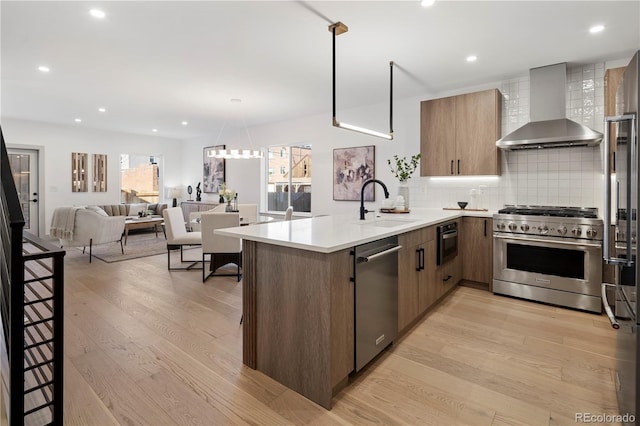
(402, 169)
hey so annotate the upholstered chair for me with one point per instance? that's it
(178, 237)
(222, 250)
(288, 213)
(89, 228)
(248, 213)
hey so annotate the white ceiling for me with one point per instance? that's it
(153, 64)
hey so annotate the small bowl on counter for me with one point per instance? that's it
(462, 204)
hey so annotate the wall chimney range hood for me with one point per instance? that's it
(549, 127)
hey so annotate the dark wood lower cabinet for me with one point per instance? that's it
(476, 249)
(421, 282)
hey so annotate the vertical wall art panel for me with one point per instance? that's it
(351, 168)
(79, 171)
(99, 172)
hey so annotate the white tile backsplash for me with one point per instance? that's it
(556, 176)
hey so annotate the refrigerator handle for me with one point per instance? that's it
(606, 243)
(607, 307)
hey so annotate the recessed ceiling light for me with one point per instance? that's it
(427, 3)
(78, 120)
(44, 68)
(596, 29)
(102, 109)
(184, 123)
(472, 58)
(236, 100)
(154, 130)
(97, 13)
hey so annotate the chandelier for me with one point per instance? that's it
(235, 154)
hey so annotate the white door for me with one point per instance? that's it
(24, 166)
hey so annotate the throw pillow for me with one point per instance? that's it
(134, 209)
(97, 210)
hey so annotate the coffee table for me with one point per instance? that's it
(143, 223)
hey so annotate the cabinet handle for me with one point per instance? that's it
(458, 166)
(451, 166)
(613, 166)
(418, 259)
(422, 259)
(485, 227)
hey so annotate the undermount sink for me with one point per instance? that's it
(386, 223)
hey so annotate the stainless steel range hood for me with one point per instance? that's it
(549, 127)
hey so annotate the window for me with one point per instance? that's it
(291, 186)
(139, 178)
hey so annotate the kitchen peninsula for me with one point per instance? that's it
(298, 297)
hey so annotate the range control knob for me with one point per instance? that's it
(524, 227)
(562, 230)
(544, 229)
(591, 233)
(576, 231)
(513, 227)
(500, 226)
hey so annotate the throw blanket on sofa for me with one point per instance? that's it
(62, 222)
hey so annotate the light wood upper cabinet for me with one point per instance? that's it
(476, 247)
(438, 138)
(612, 79)
(458, 134)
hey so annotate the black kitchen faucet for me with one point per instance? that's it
(386, 195)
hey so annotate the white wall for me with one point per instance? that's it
(58, 142)
(243, 176)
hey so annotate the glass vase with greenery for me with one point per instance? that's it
(402, 168)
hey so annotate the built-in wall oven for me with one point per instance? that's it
(549, 254)
(447, 237)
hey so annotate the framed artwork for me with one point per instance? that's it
(351, 168)
(213, 172)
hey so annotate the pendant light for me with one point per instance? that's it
(337, 29)
(235, 154)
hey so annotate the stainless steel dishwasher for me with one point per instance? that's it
(376, 298)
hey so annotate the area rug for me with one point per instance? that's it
(138, 245)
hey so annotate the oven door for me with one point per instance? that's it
(554, 263)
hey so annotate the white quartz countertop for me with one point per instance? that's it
(327, 234)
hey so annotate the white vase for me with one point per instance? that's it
(403, 189)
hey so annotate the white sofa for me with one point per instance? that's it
(91, 228)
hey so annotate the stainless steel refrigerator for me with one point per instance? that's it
(621, 206)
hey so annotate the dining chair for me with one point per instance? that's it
(288, 213)
(248, 213)
(221, 250)
(178, 237)
(219, 208)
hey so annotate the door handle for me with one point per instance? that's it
(485, 227)
(458, 166)
(364, 259)
(418, 257)
(35, 200)
(422, 259)
(451, 166)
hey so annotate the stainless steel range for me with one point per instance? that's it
(549, 254)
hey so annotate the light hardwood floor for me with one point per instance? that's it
(144, 346)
